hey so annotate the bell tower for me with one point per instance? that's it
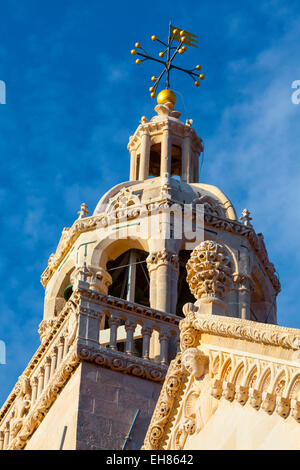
(116, 287)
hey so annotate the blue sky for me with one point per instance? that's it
(74, 96)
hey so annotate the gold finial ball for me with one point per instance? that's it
(153, 95)
(197, 83)
(133, 52)
(183, 38)
(166, 96)
(183, 48)
(198, 67)
(137, 45)
(202, 77)
(153, 79)
(181, 32)
(153, 37)
(151, 89)
(181, 51)
(161, 54)
(175, 31)
(138, 61)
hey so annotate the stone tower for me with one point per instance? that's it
(115, 290)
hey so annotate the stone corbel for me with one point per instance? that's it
(228, 391)
(241, 394)
(216, 388)
(268, 402)
(283, 406)
(255, 398)
(295, 410)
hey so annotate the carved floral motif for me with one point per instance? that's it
(209, 271)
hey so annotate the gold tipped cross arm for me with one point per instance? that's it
(184, 39)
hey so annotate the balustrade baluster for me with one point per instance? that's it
(34, 386)
(60, 348)
(146, 333)
(6, 436)
(114, 322)
(40, 381)
(130, 329)
(164, 345)
(53, 361)
(47, 369)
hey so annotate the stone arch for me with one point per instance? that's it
(54, 298)
(265, 380)
(226, 370)
(238, 373)
(293, 388)
(108, 249)
(252, 376)
(279, 383)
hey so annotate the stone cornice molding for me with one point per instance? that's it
(120, 362)
(237, 328)
(176, 127)
(130, 307)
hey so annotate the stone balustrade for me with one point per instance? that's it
(92, 327)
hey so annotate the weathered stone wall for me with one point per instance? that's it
(107, 406)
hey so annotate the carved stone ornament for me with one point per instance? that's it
(162, 257)
(209, 271)
(165, 406)
(194, 362)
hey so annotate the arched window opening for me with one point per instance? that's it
(130, 280)
(184, 294)
(176, 163)
(155, 157)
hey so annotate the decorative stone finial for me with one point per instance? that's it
(210, 277)
(246, 219)
(83, 211)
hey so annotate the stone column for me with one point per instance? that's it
(60, 348)
(47, 369)
(114, 322)
(244, 284)
(130, 329)
(146, 332)
(40, 381)
(1, 440)
(34, 387)
(6, 436)
(53, 361)
(164, 345)
(165, 164)
(165, 266)
(145, 156)
(186, 158)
